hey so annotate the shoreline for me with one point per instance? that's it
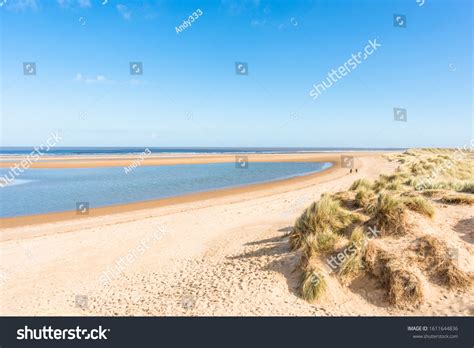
(35, 219)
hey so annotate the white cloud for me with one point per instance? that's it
(124, 11)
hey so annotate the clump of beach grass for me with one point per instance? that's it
(419, 205)
(422, 167)
(433, 193)
(358, 237)
(389, 214)
(296, 239)
(452, 277)
(458, 199)
(422, 184)
(323, 216)
(393, 182)
(379, 185)
(366, 199)
(403, 287)
(394, 186)
(362, 194)
(322, 242)
(429, 246)
(313, 284)
(352, 263)
(374, 258)
(346, 199)
(361, 184)
(467, 187)
(433, 253)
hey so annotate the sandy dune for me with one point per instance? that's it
(221, 255)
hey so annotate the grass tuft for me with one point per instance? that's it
(322, 242)
(452, 277)
(365, 198)
(352, 263)
(467, 187)
(323, 216)
(458, 199)
(433, 253)
(429, 248)
(313, 284)
(419, 205)
(361, 184)
(390, 214)
(358, 237)
(404, 288)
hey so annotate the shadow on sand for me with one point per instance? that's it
(466, 228)
(278, 256)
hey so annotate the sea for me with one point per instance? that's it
(77, 151)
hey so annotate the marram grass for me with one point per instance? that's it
(313, 285)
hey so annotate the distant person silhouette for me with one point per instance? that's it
(356, 170)
(351, 170)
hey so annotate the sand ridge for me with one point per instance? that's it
(157, 160)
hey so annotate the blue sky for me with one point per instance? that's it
(189, 93)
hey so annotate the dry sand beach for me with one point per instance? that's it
(217, 253)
